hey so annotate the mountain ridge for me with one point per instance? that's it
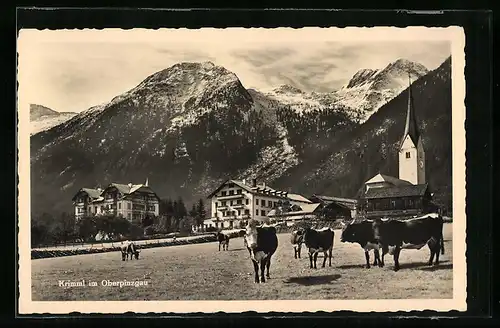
(188, 128)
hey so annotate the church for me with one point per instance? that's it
(408, 195)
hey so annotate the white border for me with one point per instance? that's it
(454, 34)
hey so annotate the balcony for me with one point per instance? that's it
(229, 197)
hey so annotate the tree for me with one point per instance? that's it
(86, 228)
(66, 227)
(201, 212)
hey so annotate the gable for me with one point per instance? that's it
(407, 143)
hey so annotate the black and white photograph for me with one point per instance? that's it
(241, 169)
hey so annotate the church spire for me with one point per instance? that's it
(146, 183)
(411, 127)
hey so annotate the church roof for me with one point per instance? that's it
(397, 191)
(387, 178)
(411, 126)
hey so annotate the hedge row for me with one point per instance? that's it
(40, 254)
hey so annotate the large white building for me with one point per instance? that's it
(131, 201)
(234, 202)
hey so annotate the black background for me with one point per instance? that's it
(479, 128)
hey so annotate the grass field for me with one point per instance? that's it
(201, 272)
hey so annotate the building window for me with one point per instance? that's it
(119, 206)
(269, 203)
(247, 212)
(239, 202)
(256, 212)
(231, 203)
(230, 185)
(393, 204)
(263, 213)
(238, 191)
(231, 192)
(223, 193)
(407, 154)
(216, 204)
(129, 206)
(239, 212)
(256, 201)
(410, 203)
(246, 201)
(224, 203)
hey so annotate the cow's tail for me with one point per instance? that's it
(442, 243)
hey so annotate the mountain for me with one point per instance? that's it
(43, 118)
(191, 126)
(372, 147)
(186, 128)
(369, 89)
(365, 92)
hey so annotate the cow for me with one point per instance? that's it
(297, 238)
(262, 243)
(410, 234)
(129, 248)
(223, 240)
(319, 241)
(362, 233)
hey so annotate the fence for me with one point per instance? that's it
(39, 254)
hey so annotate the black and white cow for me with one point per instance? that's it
(297, 239)
(319, 241)
(410, 234)
(362, 233)
(262, 243)
(223, 240)
(129, 248)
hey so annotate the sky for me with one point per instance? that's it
(73, 70)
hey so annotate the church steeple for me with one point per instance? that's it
(411, 149)
(411, 127)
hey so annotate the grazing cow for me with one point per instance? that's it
(223, 240)
(362, 233)
(319, 241)
(410, 234)
(297, 239)
(129, 248)
(262, 243)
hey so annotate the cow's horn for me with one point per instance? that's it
(353, 221)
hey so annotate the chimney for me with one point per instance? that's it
(264, 185)
(244, 181)
(130, 184)
(254, 182)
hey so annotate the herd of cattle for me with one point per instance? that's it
(386, 235)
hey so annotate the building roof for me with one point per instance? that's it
(411, 127)
(259, 189)
(397, 191)
(92, 193)
(298, 198)
(343, 202)
(304, 209)
(335, 199)
(95, 194)
(387, 178)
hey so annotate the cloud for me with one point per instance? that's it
(73, 75)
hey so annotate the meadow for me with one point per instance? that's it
(202, 272)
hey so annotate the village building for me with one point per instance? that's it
(336, 208)
(234, 202)
(131, 201)
(295, 214)
(408, 195)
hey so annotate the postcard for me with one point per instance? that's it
(241, 169)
